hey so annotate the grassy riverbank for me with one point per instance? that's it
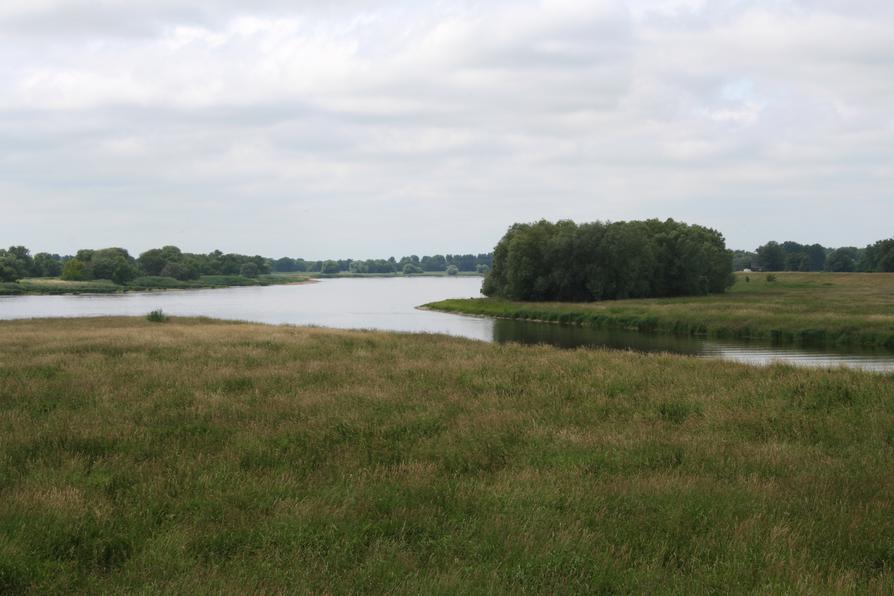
(835, 308)
(56, 286)
(204, 457)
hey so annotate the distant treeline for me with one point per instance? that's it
(118, 265)
(791, 256)
(480, 263)
(598, 261)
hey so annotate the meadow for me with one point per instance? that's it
(196, 456)
(814, 308)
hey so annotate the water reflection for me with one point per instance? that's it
(390, 304)
(748, 352)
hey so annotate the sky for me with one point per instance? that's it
(369, 129)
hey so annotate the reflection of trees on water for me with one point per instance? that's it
(750, 352)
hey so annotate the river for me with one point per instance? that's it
(390, 304)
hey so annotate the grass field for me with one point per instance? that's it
(832, 308)
(204, 457)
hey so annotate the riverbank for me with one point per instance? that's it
(812, 308)
(197, 455)
(56, 286)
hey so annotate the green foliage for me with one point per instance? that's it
(842, 260)
(47, 265)
(771, 257)
(452, 270)
(249, 270)
(565, 261)
(411, 269)
(771, 278)
(157, 316)
(15, 263)
(878, 257)
(330, 267)
(74, 270)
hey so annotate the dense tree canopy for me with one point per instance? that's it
(789, 256)
(878, 257)
(597, 261)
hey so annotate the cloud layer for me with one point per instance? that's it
(375, 128)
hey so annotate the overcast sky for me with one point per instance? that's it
(369, 129)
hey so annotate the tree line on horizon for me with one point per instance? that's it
(792, 256)
(116, 264)
(570, 262)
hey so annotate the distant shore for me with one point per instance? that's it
(54, 286)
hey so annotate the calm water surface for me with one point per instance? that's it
(390, 304)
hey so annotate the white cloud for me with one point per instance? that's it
(290, 128)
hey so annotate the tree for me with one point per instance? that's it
(411, 269)
(452, 270)
(176, 271)
(153, 262)
(74, 270)
(249, 270)
(842, 260)
(330, 267)
(878, 257)
(8, 272)
(284, 265)
(816, 257)
(599, 261)
(771, 257)
(47, 265)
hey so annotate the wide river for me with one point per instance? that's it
(390, 304)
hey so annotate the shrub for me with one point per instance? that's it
(157, 316)
(771, 278)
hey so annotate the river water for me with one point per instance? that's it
(390, 304)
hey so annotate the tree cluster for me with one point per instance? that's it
(17, 263)
(480, 263)
(119, 266)
(792, 256)
(599, 261)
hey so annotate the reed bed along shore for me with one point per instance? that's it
(196, 456)
(812, 308)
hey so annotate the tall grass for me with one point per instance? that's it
(815, 308)
(213, 457)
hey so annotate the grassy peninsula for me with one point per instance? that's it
(834, 308)
(197, 456)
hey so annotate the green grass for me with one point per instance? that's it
(830, 308)
(209, 457)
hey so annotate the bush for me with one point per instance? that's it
(771, 278)
(157, 316)
(452, 270)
